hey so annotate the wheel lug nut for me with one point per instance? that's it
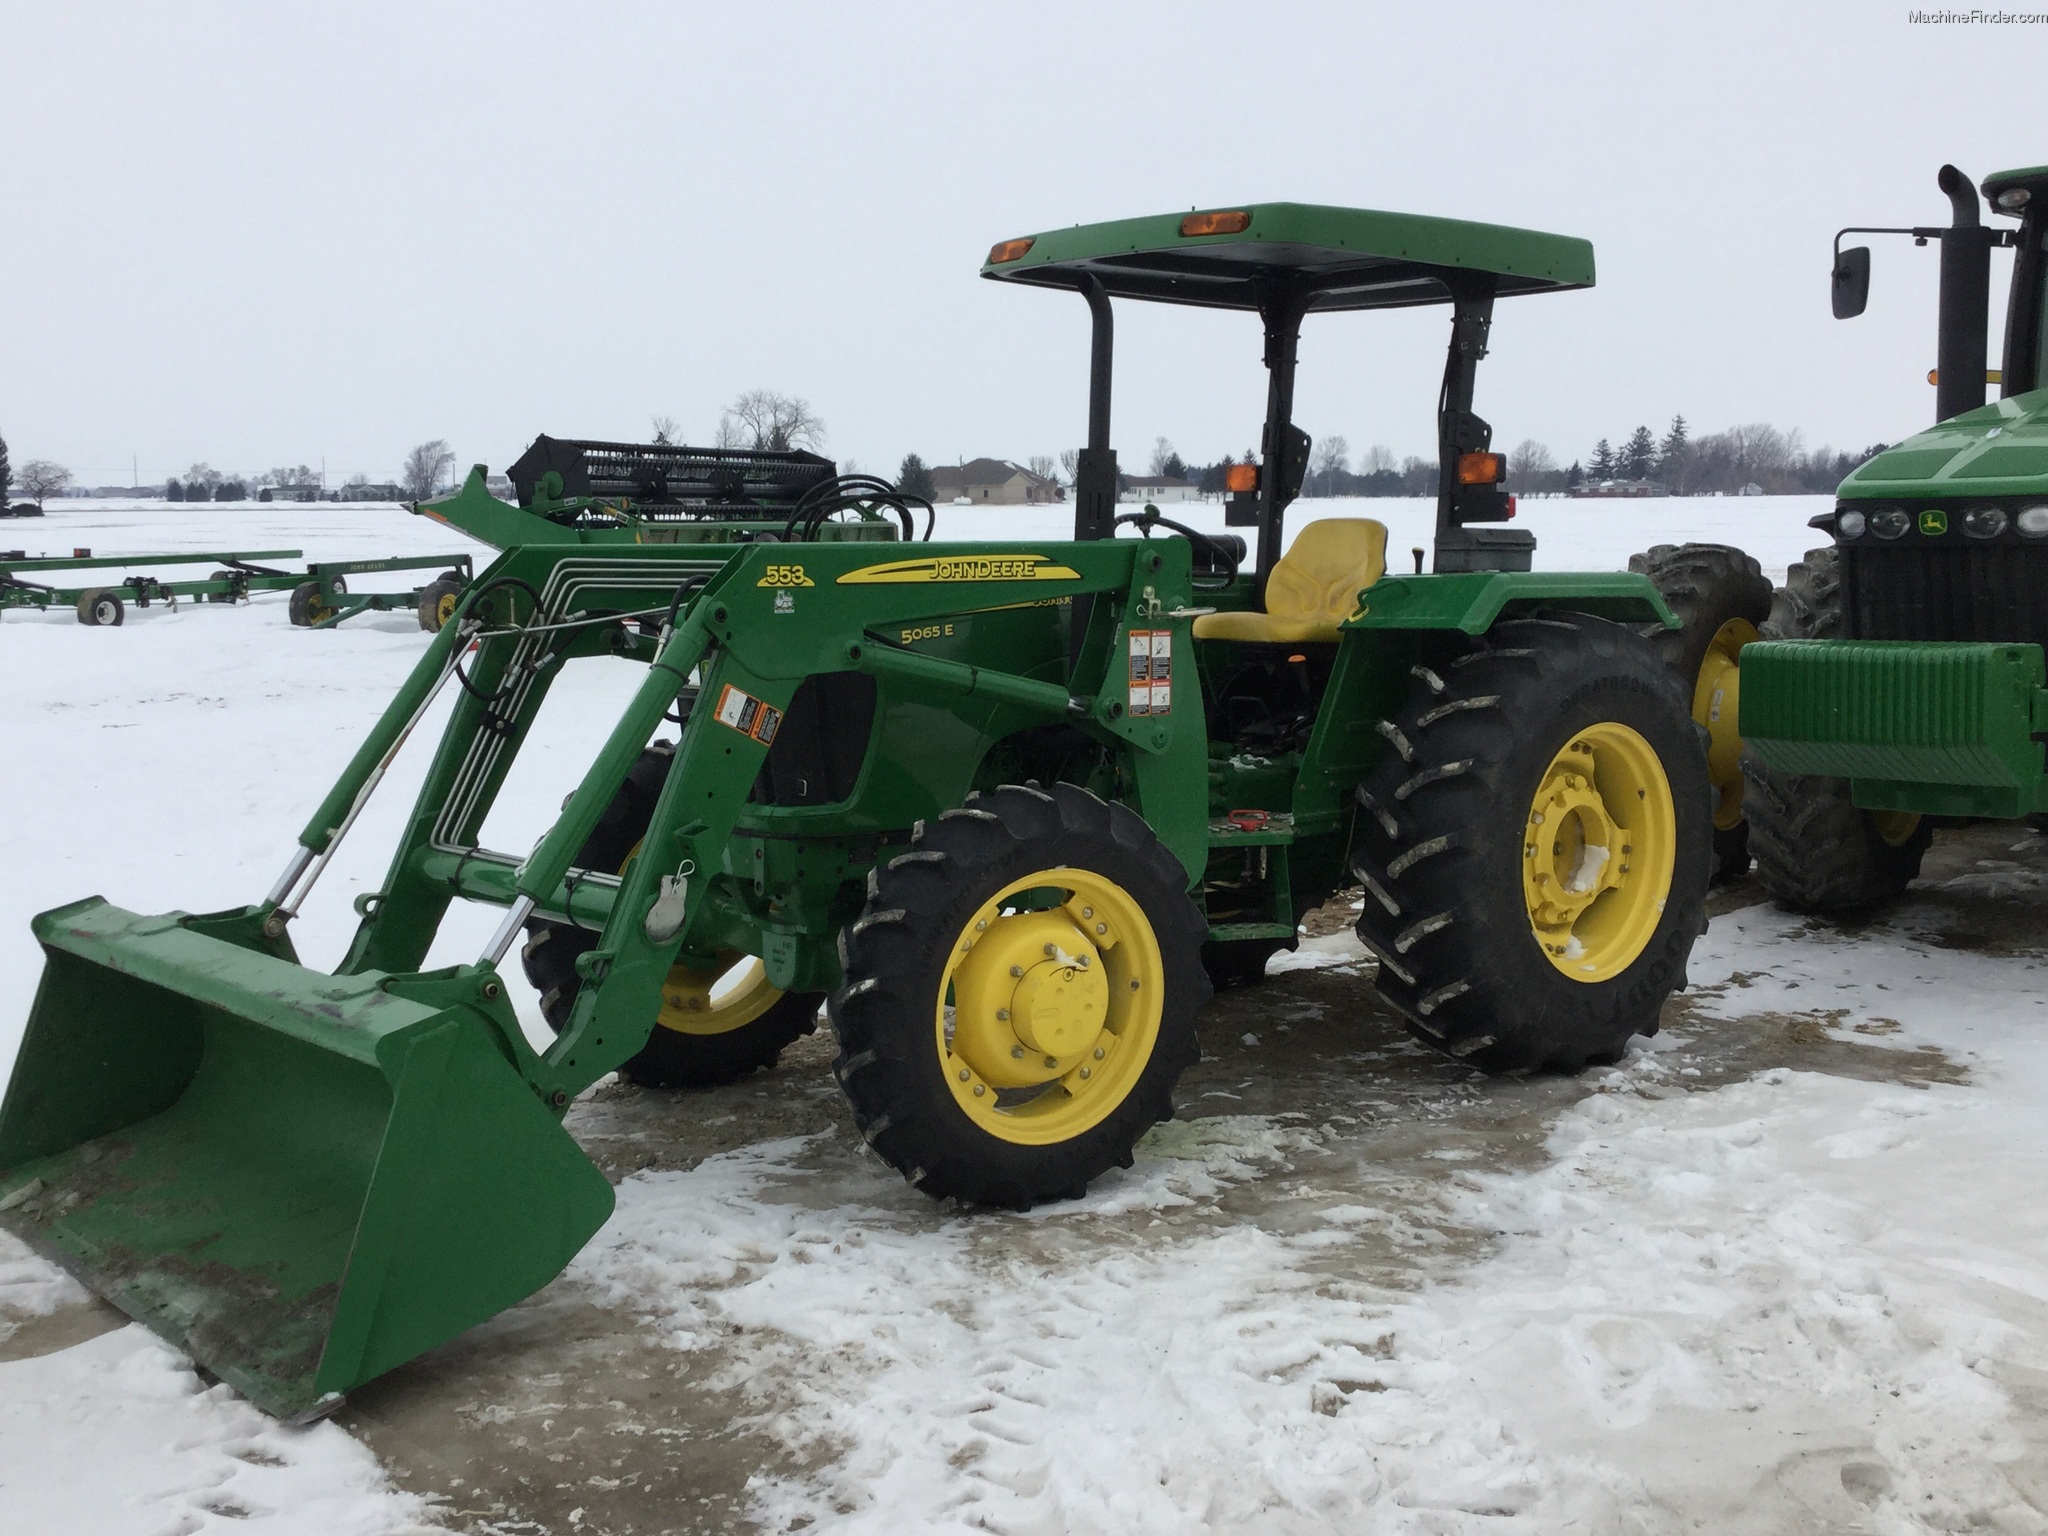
(1052, 1061)
(965, 1074)
(1087, 911)
(1003, 1014)
(1016, 970)
(979, 1090)
(1098, 1053)
(1017, 1053)
(1102, 927)
(1052, 949)
(1084, 1071)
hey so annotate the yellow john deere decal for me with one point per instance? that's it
(962, 568)
(1933, 522)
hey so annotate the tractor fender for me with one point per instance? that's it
(1474, 601)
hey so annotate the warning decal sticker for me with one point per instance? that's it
(1151, 672)
(748, 715)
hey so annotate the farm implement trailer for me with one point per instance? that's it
(1014, 808)
(320, 596)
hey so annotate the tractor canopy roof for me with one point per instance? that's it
(1351, 258)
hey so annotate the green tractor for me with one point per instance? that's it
(1011, 808)
(1900, 681)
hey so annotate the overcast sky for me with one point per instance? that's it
(268, 233)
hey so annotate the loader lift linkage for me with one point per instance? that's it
(1015, 807)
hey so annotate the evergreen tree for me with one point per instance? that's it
(1638, 455)
(6, 474)
(914, 478)
(1602, 467)
(173, 491)
(1574, 477)
(1676, 442)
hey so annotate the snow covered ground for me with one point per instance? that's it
(1783, 1269)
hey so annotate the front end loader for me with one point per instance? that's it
(1011, 809)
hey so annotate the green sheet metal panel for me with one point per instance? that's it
(2000, 449)
(1896, 710)
(1378, 260)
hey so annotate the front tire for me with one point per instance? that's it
(1816, 850)
(1535, 845)
(718, 1023)
(1020, 996)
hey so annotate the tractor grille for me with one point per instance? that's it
(1953, 589)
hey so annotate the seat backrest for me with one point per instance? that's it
(1331, 560)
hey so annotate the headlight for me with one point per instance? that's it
(1850, 525)
(1985, 522)
(2033, 521)
(1891, 523)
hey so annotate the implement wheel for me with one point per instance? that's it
(717, 1023)
(1535, 846)
(236, 591)
(1721, 596)
(1020, 996)
(100, 607)
(439, 599)
(308, 607)
(1816, 851)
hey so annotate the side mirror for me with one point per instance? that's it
(1850, 283)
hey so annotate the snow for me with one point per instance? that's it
(1789, 1300)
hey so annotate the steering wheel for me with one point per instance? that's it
(1221, 556)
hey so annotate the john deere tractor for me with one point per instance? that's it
(1900, 683)
(1008, 806)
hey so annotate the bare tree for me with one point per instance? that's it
(204, 479)
(1070, 461)
(39, 478)
(424, 467)
(665, 429)
(1531, 468)
(1041, 465)
(1163, 453)
(1377, 460)
(1332, 457)
(766, 418)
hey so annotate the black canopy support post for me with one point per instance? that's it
(1095, 472)
(1279, 479)
(1460, 430)
(1961, 342)
(2021, 365)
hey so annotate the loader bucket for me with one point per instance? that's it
(302, 1180)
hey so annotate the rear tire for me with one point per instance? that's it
(1721, 596)
(674, 1057)
(1816, 851)
(1011, 1082)
(1461, 904)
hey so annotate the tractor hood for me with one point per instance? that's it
(2000, 449)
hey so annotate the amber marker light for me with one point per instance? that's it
(1236, 222)
(1479, 468)
(1240, 478)
(1008, 250)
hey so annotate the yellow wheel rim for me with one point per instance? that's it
(444, 610)
(716, 999)
(1716, 704)
(1049, 1006)
(1599, 844)
(1895, 827)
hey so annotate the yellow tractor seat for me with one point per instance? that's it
(1313, 589)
